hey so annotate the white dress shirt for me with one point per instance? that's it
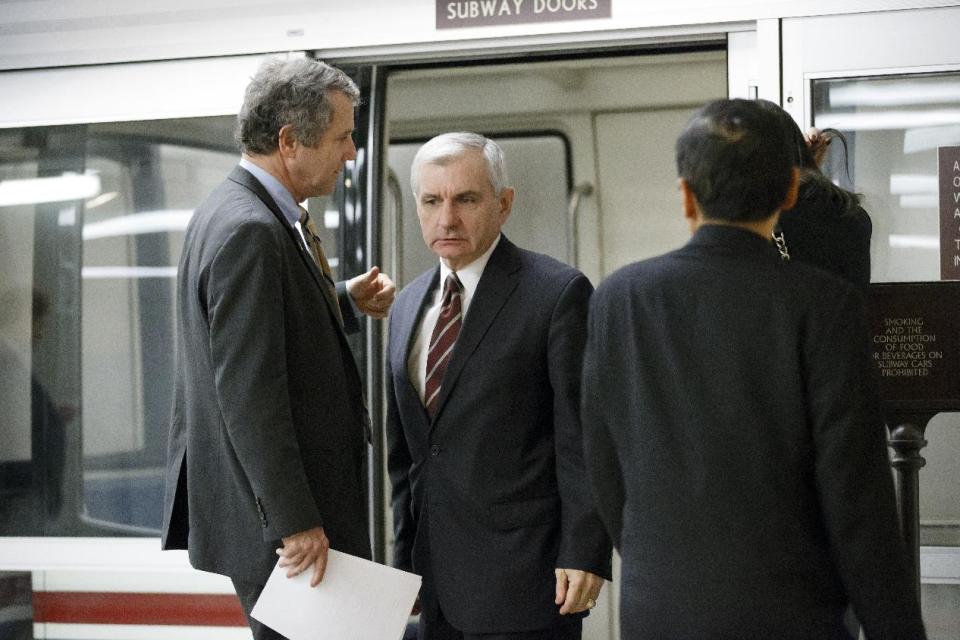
(469, 277)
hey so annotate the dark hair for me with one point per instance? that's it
(294, 92)
(733, 156)
(812, 181)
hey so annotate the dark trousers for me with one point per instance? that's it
(566, 629)
(248, 592)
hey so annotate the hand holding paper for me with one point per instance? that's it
(357, 600)
(301, 550)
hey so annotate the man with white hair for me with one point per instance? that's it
(490, 499)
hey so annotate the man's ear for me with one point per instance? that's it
(286, 140)
(691, 208)
(506, 204)
(791, 200)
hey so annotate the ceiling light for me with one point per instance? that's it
(914, 242)
(101, 199)
(880, 120)
(139, 223)
(900, 92)
(63, 188)
(901, 183)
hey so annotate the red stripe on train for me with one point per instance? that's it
(200, 609)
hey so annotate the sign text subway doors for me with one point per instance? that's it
(452, 14)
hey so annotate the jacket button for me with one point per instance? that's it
(435, 450)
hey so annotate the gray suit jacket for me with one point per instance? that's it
(490, 496)
(268, 433)
(736, 451)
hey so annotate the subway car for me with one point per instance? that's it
(116, 119)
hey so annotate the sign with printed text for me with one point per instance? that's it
(452, 14)
(949, 165)
(915, 335)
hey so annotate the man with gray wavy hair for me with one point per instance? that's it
(490, 496)
(270, 431)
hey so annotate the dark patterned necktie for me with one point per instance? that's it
(316, 250)
(444, 337)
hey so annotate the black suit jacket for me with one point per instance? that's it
(819, 231)
(268, 426)
(736, 451)
(490, 497)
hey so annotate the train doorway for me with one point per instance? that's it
(589, 144)
(898, 108)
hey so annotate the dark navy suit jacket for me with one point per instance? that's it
(735, 448)
(491, 496)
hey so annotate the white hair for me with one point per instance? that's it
(448, 146)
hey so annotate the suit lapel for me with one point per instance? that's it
(408, 326)
(496, 285)
(244, 178)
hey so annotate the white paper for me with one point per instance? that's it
(356, 600)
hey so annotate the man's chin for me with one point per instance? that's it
(448, 248)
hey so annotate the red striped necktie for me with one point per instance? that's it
(444, 336)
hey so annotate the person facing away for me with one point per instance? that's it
(269, 430)
(490, 499)
(826, 227)
(732, 433)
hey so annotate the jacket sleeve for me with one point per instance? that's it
(245, 313)
(853, 473)
(399, 461)
(348, 309)
(604, 471)
(584, 543)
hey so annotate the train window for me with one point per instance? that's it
(91, 228)
(893, 125)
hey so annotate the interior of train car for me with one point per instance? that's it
(93, 210)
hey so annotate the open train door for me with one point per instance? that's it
(353, 224)
(890, 82)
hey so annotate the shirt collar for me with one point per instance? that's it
(469, 275)
(279, 193)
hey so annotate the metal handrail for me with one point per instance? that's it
(396, 227)
(582, 190)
